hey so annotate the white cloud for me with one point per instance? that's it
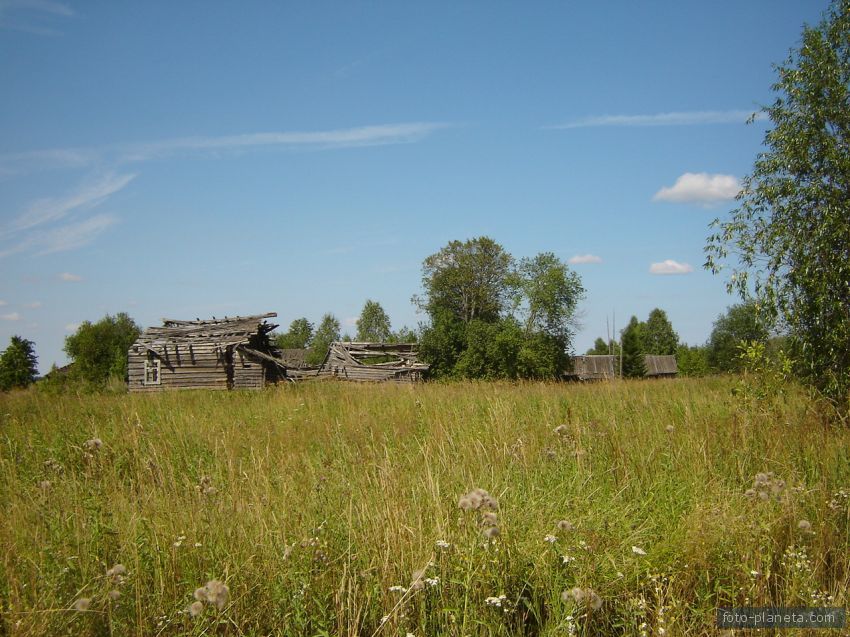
(702, 188)
(380, 134)
(2, 303)
(55, 208)
(584, 258)
(74, 235)
(676, 118)
(34, 305)
(669, 266)
(29, 8)
(67, 276)
(349, 321)
(13, 316)
(72, 327)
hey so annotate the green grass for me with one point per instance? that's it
(328, 494)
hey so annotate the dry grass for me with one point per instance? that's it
(315, 505)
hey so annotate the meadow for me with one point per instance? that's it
(624, 508)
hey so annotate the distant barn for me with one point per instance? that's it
(593, 367)
(398, 362)
(660, 366)
(229, 353)
(603, 367)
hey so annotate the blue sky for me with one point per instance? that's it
(194, 159)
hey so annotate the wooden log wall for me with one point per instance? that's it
(181, 367)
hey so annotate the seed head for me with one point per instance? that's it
(489, 518)
(195, 609)
(465, 503)
(564, 525)
(491, 532)
(82, 604)
(805, 526)
(669, 429)
(94, 444)
(217, 593)
(44, 485)
(750, 493)
(114, 594)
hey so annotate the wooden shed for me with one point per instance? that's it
(228, 353)
(660, 366)
(593, 367)
(398, 362)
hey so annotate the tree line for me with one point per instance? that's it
(740, 324)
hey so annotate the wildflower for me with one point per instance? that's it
(561, 430)
(94, 444)
(566, 559)
(416, 583)
(489, 519)
(495, 601)
(670, 429)
(397, 589)
(197, 545)
(195, 608)
(583, 596)
(432, 581)
(550, 538)
(564, 525)
(755, 573)
(204, 487)
(82, 604)
(620, 575)
(805, 526)
(384, 619)
(114, 595)
(44, 485)
(638, 551)
(213, 592)
(442, 544)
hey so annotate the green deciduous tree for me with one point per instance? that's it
(373, 324)
(740, 323)
(470, 280)
(298, 337)
(490, 319)
(99, 350)
(657, 334)
(633, 364)
(18, 364)
(326, 333)
(692, 360)
(791, 231)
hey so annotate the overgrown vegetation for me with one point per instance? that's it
(493, 317)
(790, 235)
(336, 509)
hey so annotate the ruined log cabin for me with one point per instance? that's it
(396, 362)
(229, 353)
(593, 367)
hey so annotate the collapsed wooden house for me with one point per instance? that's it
(593, 367)
(603, 367)
(398, 362)
(229, 353)
(660, 366)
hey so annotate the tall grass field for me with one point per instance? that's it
(624, 508)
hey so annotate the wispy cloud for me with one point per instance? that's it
(72, 327)
(2, 303)
(34, 305)
(43, 229)
(700, 188)
(669, 266)
(381, 134)
(584, 258)
(67, 276)
(18, 15)
(676, 118)
(13, 316)
(53, 209)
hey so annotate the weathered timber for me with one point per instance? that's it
(233, 352)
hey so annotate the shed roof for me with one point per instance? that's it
(660, 365)
(223, 332)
